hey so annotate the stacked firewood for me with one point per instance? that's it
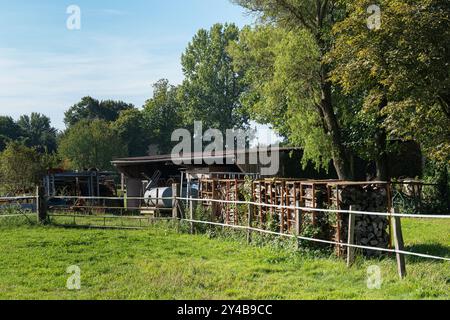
(316, 199)
(370, 230)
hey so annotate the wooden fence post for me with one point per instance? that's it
(41, 206)
(191, 216)
(212, 195)
(351, 238)
(175, 196)
(298, 222)
(399, 246)
(250, 218)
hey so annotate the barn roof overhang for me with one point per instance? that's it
(228, 160)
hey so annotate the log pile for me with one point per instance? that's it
(370, 230)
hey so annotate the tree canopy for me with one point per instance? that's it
(133, 129)
(405, 63)
(162, 115)
(301, 90)
(338, 89)
(21, 168)
(37, 132)
(9, 131)
(90, 109)
(91, 144)
(283, 89)
(211, 89)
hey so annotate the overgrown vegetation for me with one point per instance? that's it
(21, 168)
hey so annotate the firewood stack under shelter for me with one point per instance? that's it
(289, 193)
(283, 194)
(222, 189)
(370, 230)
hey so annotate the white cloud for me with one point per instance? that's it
(114, 68)
(49, 82)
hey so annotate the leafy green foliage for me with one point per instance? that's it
(89, 109)
(21, 168)
(9, 131)
(37, 132)
(283, 89)
(289, 51)
(162, 115)
(133, 130)
(405, 62)
(91, 144)
(211, 89)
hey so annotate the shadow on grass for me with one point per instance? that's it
(434, 249)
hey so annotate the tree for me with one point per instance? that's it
(305, 27)
(37, 132)
(21, 168)
(211, 89)
(280, 75)
(91, 109)
(91, 144)
(132, 128)
(9, 131)
(162, 115)
(403, 68)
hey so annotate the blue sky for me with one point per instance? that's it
(122, 48)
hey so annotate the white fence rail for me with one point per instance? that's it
(257, 204)
(342, 244)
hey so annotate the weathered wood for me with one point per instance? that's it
(370, 230)
(41, 206)
(250, 219)
(214, 205)
(351, 238)
(191, 216)
(399, 245)
(175, 195)
(298, 222)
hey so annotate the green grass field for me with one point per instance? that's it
(158, 263)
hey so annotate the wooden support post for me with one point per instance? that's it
(351, 238)
(175, 196)
(214, 205)
(41, 206)
(236, 198)
(250, 219)
(298, 222)
(390, 207)
(191, 217)
(282, 209)
(261, 216)
(314, 204)
(398, 242)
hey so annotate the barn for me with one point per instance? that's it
(142, 174)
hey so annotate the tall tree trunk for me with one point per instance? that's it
(381, 160)
(341, 159)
